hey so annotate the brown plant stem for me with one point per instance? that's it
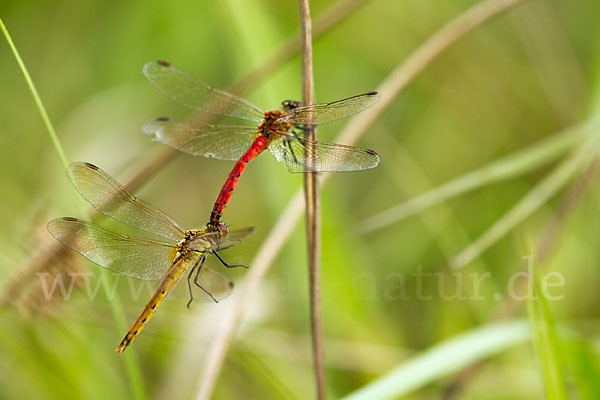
(311, 190)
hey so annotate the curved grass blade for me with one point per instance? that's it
(516, 164)
(36, 98)
(547, 344)
(445, 358)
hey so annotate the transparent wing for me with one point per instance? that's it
(302, 155)
(225, 142)
(191, 92)
(218, 285)
(134, 257)
(322, 113)
(233, 237)
(110, 198)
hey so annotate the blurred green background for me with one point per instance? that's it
(512, 84)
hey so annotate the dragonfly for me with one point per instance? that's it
(275, 130)
(163, 260)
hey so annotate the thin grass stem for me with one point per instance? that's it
(36, 98)
(313, 208)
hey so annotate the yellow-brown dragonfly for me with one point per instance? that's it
(164, 260)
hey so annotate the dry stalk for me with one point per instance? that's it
(313, 208)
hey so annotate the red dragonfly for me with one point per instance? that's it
(276, 130)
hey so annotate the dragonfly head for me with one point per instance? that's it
(290, 104)
(218, 227)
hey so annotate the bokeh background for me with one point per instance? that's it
(515, 91)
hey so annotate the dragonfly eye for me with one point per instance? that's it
(222, 228)
(290, 104)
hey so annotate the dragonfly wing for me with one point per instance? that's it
(233, 237)
(191, 92)
(323, 113)
(134, 257)
(225, 142)
(110, 198)
(302, 155)
(217, 284)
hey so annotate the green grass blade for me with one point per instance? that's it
(584, 364)
(36, 98)
(547, 345)
(516, 164)
(445, 358)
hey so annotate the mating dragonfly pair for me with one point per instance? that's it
(180, 250)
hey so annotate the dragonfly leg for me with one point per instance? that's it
(225, 263)
(201, 262)
(300, 139)
(189, 282)
(289, 145)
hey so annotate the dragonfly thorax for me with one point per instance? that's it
(270, 128)
(201, 240)
(182, 252)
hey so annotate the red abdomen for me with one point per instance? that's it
(257, 147)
